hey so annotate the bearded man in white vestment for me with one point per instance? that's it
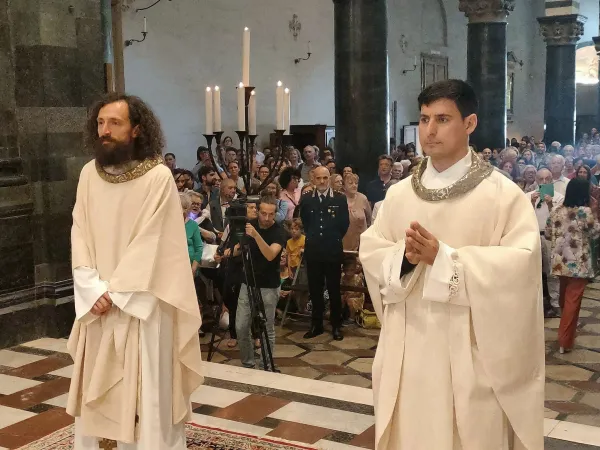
(135, 339)
(453, 266)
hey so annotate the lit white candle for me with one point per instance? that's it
(286, 111)
(252, 114)
(145, 25)
(209, 111)
(217, 105)
(279, 106)
(309, 48)
(415, 60)
(246, 57)
(241, 106)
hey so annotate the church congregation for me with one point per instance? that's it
(382, 233)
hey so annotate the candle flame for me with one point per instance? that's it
(279, 83)
(253, 93)
(287, 91)
(241, 85)
(216, 88)
(246, 29)
(207, 89)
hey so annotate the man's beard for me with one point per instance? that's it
(113, 155)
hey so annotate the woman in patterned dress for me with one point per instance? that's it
(571, 229)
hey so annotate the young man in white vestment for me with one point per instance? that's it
(135, 339)
(453, 266)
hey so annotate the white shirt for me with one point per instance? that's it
(560, 185)
(543, 212)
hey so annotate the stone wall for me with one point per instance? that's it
(51, 53)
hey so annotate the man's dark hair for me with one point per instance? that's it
(285, 178)
(460, 92)
(387, 157)
(170, 154)
(205, 171)
(150, 140)
(178, 172)
(231, 149)
(201, 149)
(578, 193)
(267, 200)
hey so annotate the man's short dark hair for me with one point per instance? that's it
(460, 92)
(267, 200)
(201, 149)
(205, 171)
(170, 154)
(178, 172)
(231, 149)
(386, 157)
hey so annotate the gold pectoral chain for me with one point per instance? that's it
(141, 169)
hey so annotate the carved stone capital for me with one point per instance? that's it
(562, 30)
(486, 11)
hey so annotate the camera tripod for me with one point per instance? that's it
(258, 317)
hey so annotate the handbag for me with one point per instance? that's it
(367, 319)
(208, 255)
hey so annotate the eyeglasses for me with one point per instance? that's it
(196, 204)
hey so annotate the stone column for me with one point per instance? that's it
(51, 57)
(561, 34)
(486, 67)
(361, 84)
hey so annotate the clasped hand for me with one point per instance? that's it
(421, 245)
(102, 305)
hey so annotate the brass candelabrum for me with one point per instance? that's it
(247, 142)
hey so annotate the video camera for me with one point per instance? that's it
(236, 214)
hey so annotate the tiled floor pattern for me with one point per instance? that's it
(326, 415)
(573, 380)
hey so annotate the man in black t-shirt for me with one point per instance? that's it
(266, 239)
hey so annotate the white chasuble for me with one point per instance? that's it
(137, 365)
(460, 359)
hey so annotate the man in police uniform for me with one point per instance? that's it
(325, 218)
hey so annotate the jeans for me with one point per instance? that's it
(243, 323)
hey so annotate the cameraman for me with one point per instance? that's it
(265, 240)
(231, 273)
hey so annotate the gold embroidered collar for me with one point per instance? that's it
(478, 172)
(136, 172)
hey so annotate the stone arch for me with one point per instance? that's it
(434, 23)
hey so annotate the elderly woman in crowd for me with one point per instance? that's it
(192, 232)
(337, 183)
(528, 183)
(290, 192)
(200, 216)
(571, 228)
(397, 171)
(360, 213)
(569, 171)
(294, 157)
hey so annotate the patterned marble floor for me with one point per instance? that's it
(573, 380)
(34, 380)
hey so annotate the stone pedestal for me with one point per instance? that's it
(561, 34)
(486, 67)
(361, 84)
(51, 58)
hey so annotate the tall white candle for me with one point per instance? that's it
(279, 106)
(241, 107)
(309, 48)
(246, 57)
(252, 114)
(145, 25)
(217, 105)
(209, 110)
(286, 111)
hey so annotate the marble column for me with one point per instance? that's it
(486, 67)
(597, 47)
(51, 58)
(561, 34)
(361, 84)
